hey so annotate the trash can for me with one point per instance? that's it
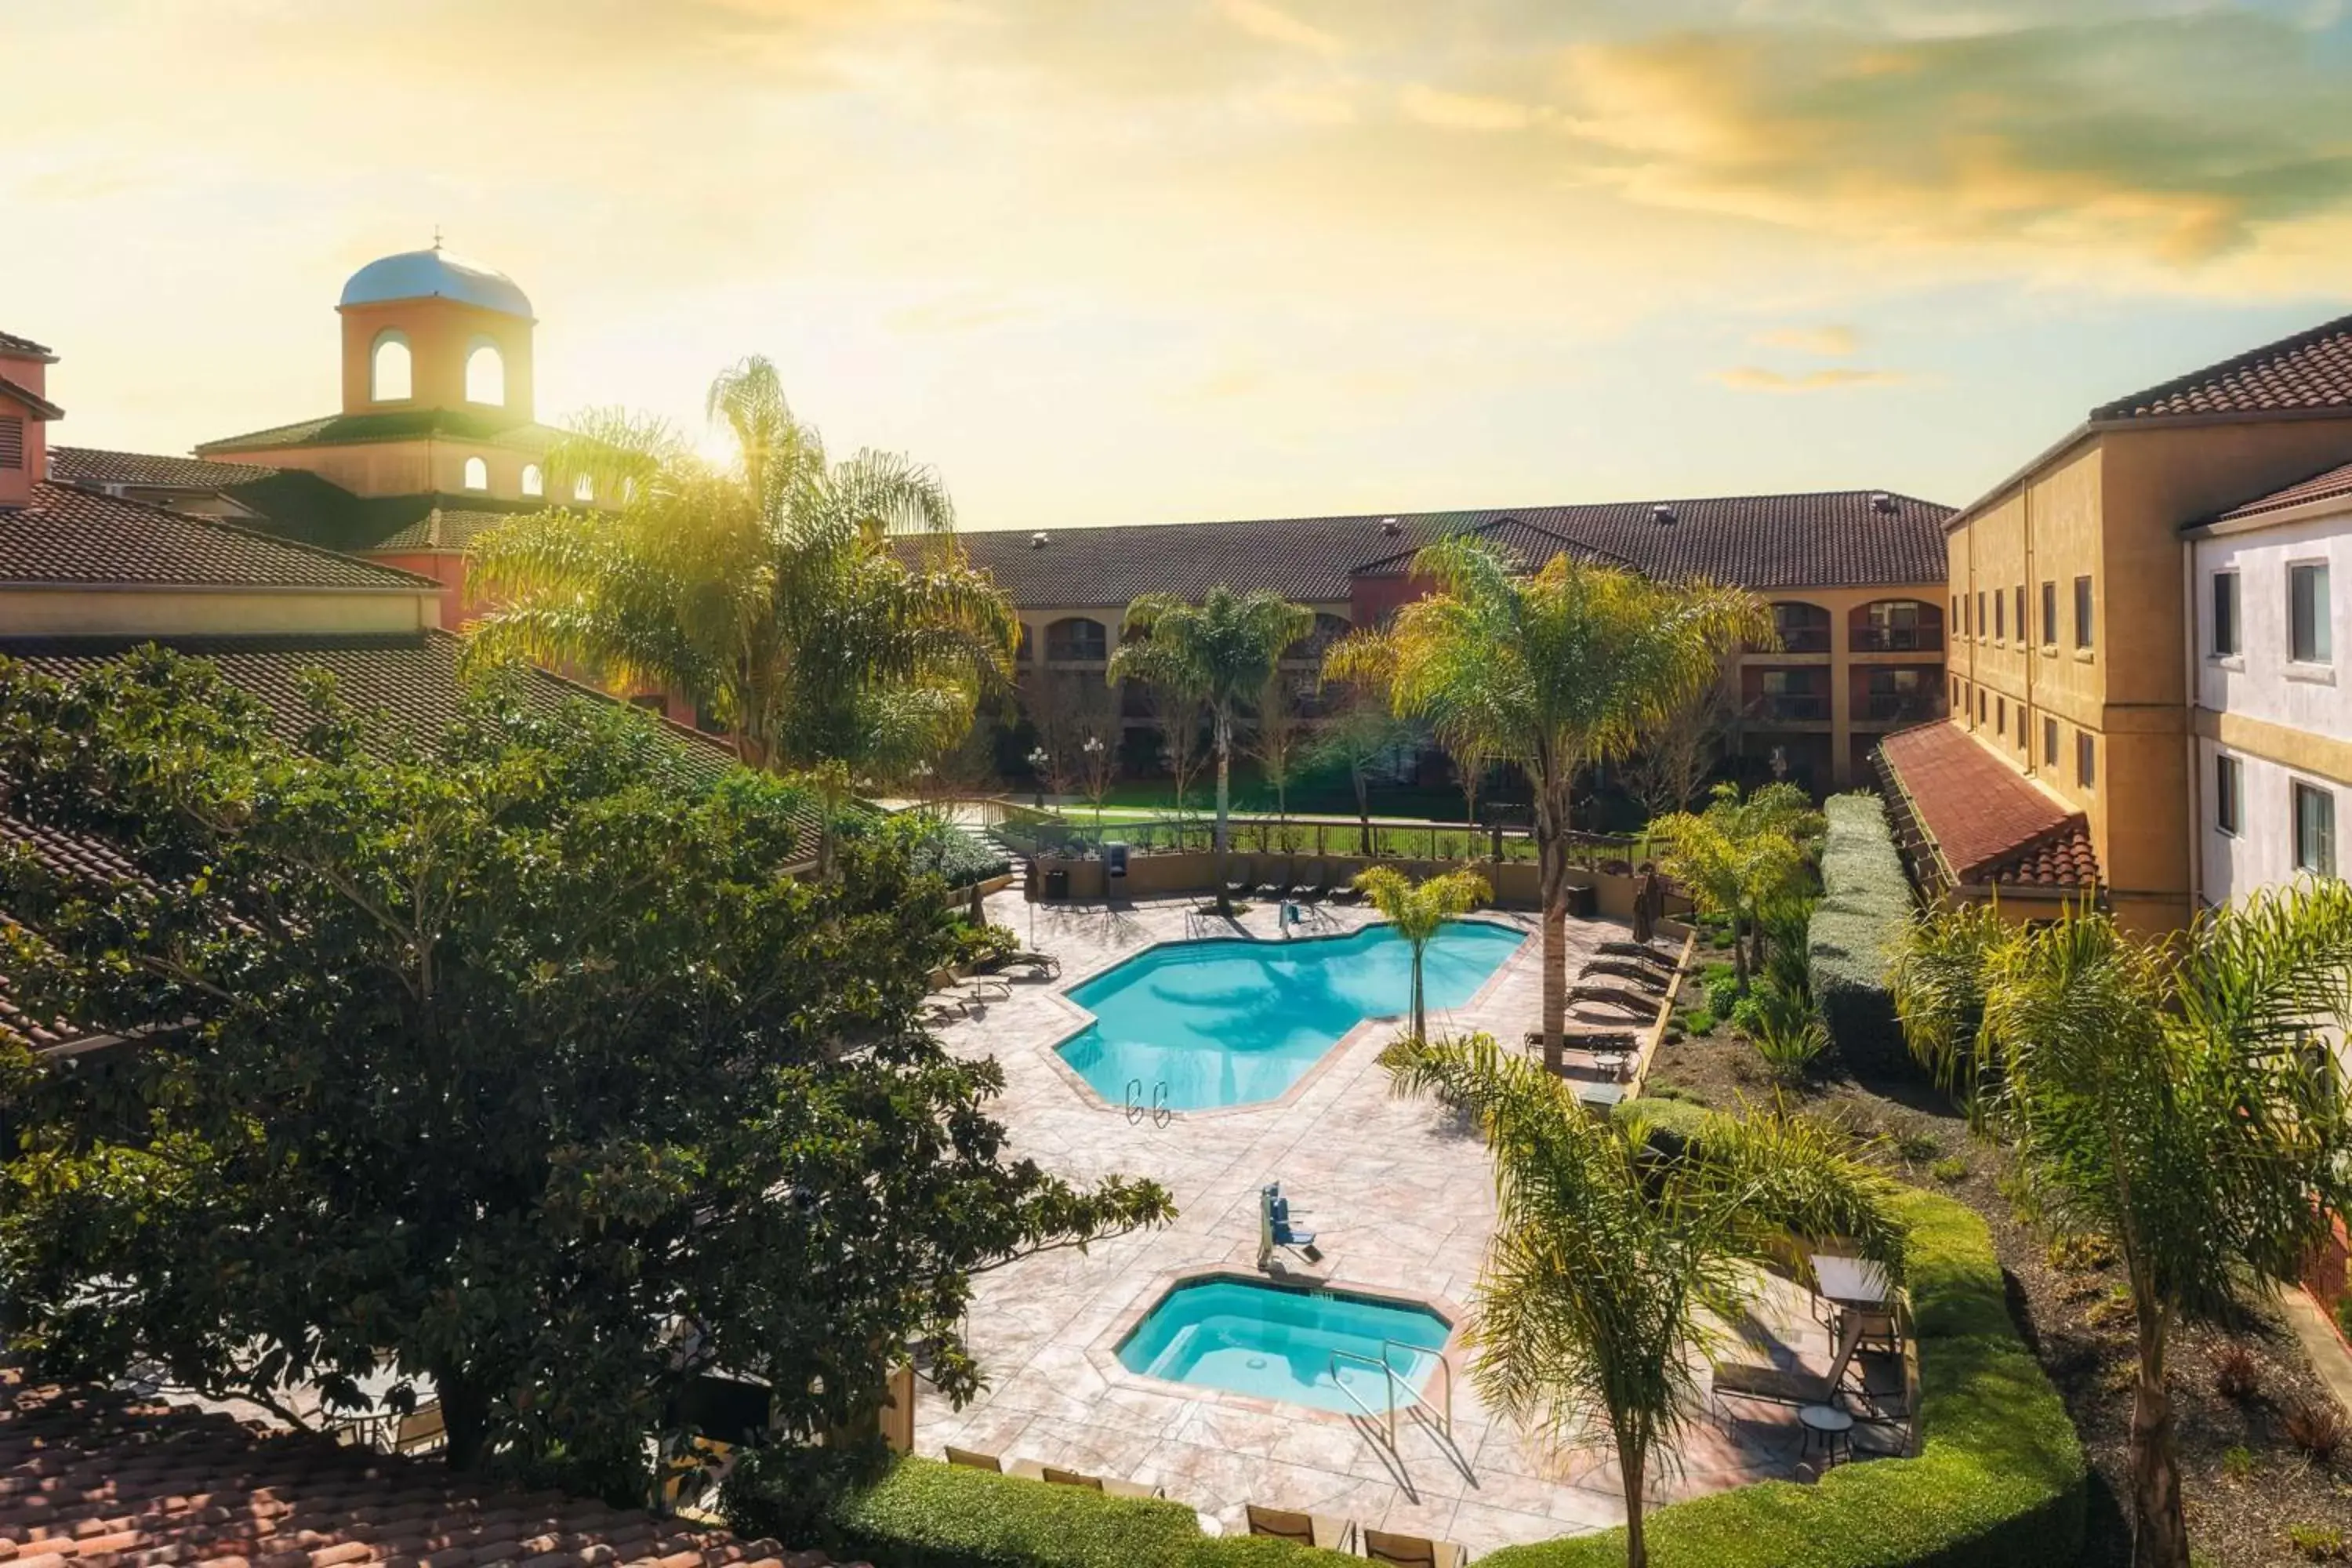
(1057, 882)
(1584, 903)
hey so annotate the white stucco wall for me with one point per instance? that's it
(2261, 684)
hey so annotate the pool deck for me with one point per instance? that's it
(1403, 1195)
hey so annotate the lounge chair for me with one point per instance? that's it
(1240, 882)
(1054, 1475)
(1317, 886)
(1412, 1551)
(1027, 1469)
(1041, 965)
(1617, 998)
(1629, 970)
(1640, 952)
(1315, 1529)
(1780, 1385)
(1346, 893)
(1277, 884)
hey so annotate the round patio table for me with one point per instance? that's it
(1831, 1426)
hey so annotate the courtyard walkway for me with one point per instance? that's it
(1403, 1195)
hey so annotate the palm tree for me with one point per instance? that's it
(1551, 672)
(1418, 910)
(1742, 857)
(774, 591)
(2172, 1096)
(1611, 1259)
(1222, 650)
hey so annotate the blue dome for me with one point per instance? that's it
(434, 274)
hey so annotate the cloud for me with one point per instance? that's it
(1829, 342)
(1756, 378)
(1464, 110)
(1278, 26)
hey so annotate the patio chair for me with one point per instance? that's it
(971, 1459)
(1347, 894)
(1041, 965)
(1781, 1385)
(1412, 1551)
(1630, 971)
(1317, 885)
(420, 1430)
(1053, 1475)
(1617, 999)
(1314, 1529)
(1277, 884)
(1640, 952)
(1239, 883)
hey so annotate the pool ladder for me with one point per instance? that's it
(1396, 1384)
(1157, 1108)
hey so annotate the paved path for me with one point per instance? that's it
(1403, 1197)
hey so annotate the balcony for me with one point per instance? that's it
(1790, 707)
(1901, 707)
(1898, 639)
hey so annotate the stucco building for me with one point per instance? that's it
(2069, 596)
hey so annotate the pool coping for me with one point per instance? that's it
(1084, 1020)
(1102, 1352)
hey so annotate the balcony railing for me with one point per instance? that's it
(1898, 639)
(1900, 707)
(1804, 639)
(1790, 707)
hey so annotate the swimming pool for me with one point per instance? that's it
(1230, 1022)
(1275, 1343)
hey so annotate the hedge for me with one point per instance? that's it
(1864, 897)
(1999, 1482)
(927, 1514)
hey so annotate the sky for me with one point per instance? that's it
(1111, 261)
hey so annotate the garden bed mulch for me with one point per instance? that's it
(2248, 1487)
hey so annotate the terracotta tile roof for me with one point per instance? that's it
(1531, 547)
(2310, 371)
(1983, 821)
(95, 466)
(1843, 538)
(404, 425)
(2327, 486)
(91, 1479)
(10, 343)
(39, 407)
(80, 537)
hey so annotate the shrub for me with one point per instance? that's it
(2239, 1462)
(2317, 1428)
(1999, 1482)
(2236, 1373)
(2080, 1252)
(925, 1514)
(1915, 1146)
(1699, 1022)
(1791, 1046)
(1865, 896)
(1949, 1170)
(2317, 1542)
(1723, 995)
(1747, 1014)
(1669, 1123)
(2344, 1314)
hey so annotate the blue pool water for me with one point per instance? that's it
(1274, 1343)
(1227, 1022)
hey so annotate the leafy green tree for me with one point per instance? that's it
(1743, 857)
(522, 1066)
(768, 590)
(1419, 910)
(1551, 673)
(2172, 1096)
(1224, 650)
(1360, 733)
(1609, 1257)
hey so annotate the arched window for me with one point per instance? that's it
(1329, 629)
(485, 373)
(1077, 637)
(534, 482)
(583, 489)
(388, 368)
(477, 474)
(1901, 626)
(1803, 628)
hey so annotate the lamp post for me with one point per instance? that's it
(1037, 761)
(1096, 780)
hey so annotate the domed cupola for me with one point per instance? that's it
(428, 330)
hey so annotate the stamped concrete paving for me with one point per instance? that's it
(1403, 1195)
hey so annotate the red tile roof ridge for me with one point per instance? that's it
(1980, 812)
(2328, 484)
(2311, 369)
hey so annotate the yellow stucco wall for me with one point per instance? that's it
(2110, 507)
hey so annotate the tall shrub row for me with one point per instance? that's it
(1865, 897)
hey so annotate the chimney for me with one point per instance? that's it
(24, 414)
(1662, 513)
(1881, 501)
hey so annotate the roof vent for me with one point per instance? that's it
(1390, 527)
(1037, 540)
(1881, 501)
(1662, 513)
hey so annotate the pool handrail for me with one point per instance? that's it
(1445, 1414)
(1387, 1373)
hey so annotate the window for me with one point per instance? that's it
(388, 369)
(2314, 830)
(2086, 760)
(1960, 615)
(2228, 795)
(533, 481)
(1802, 628)
(2049, 615)
(1958, 704)
(2000, 714)
(2019, 597)
(2024, 746)
(485, 373)
(2225, 614)
(1893, 625)
(477, 474)
(2308, 634)
(2000, 617)
(2050, 742)
(1077, 637)
(2082, 612)
(1983, 625)
(1980, 705)
(11, 441)
(583, 489)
